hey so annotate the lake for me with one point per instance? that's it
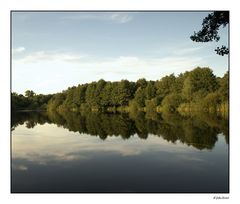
(92, 152)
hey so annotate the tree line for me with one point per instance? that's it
(29, 101)
(192, 91)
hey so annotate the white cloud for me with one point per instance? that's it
(184, 51)
(121, 18)
(18, 50)
(149, 67)
(40, 56)
(123, 62)
(113, 17)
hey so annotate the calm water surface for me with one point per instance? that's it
(118, 153)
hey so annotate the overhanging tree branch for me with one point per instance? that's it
(210, 27)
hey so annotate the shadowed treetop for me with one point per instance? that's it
(210, 27)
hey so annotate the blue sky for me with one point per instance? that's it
(52, 51)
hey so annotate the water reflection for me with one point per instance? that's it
(200, 131)
(90, 152)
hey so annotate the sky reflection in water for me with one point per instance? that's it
(50, 158)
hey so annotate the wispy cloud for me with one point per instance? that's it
(41, 56)
(121, 18)
(185, 51)
(123, 61)
(113, 17)
(18, 50)
(115, 68)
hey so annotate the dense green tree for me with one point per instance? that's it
(79, 95)
(31, 101)
(150, 90)
(224, 87)
(69, 99)
(171, 102)
(141, 83)
(210, 102)
(165, 86)
(140, 97)
(125, 92)
(29, 93)
(106, 95)
(199, 79)
(90, 94)
(56, 101)
(151, 108)
(98, 92)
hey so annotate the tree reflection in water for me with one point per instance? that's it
(199, 131)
